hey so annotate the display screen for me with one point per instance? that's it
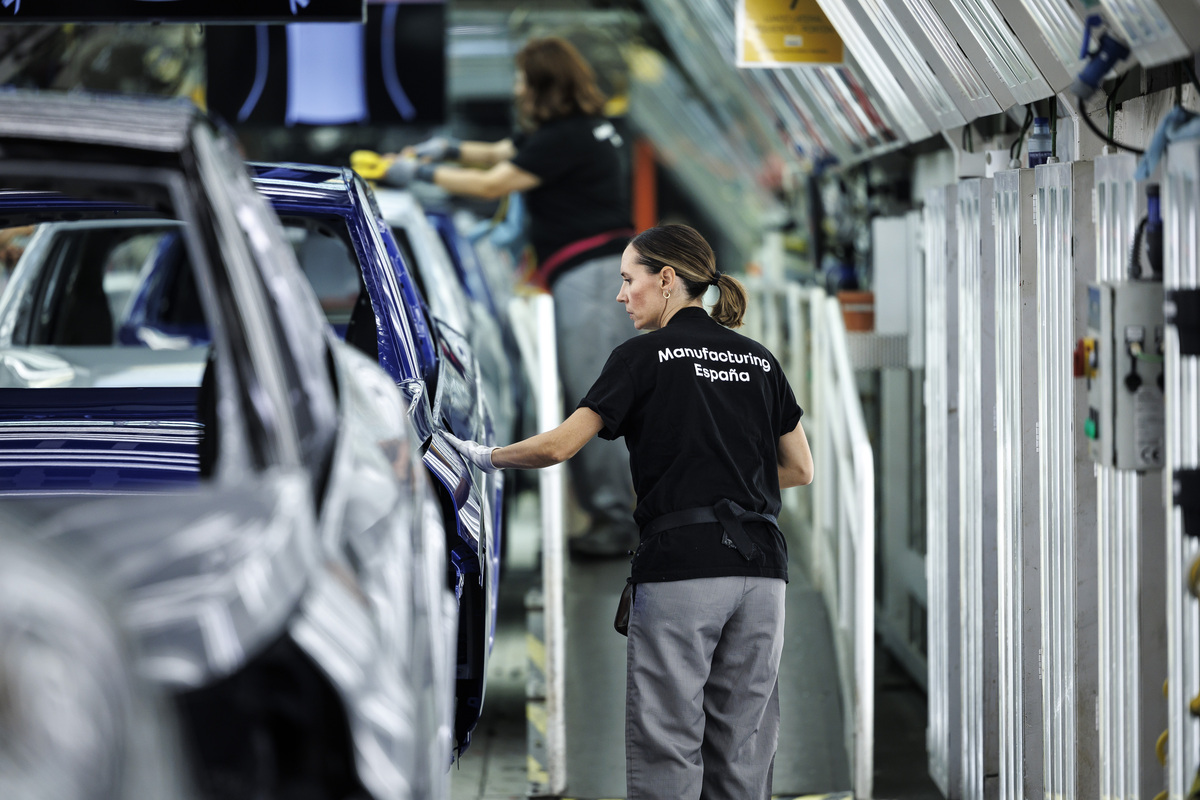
(208, 11)
(390, 70)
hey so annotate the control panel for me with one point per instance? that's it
(1122, 361)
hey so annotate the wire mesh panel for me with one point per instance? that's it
(941, 469)
(1017, 553)
(1130, 550)
(977, 497)
(1182, 273)
(1067, 496)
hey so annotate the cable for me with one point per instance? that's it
(1014, 149)
(1053, 126)
(1135, 259)
(1110, 105)
(1135, 350)
(1092, 126)
(1187, 64)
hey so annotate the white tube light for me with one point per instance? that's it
(984, 35)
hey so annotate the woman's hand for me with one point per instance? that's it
(478, 454)
(439, 148)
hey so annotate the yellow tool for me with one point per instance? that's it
(371, 165)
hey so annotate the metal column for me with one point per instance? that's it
(1067, 498)
(1182, 272)
(1130, 553)
(1017, 552)
(976, 390)
(941, 470)
(901, 583)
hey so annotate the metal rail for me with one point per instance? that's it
(804, 329)
(535, 337)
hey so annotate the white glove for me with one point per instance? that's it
(439, 148)
(478, 454)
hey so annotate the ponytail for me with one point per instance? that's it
(686, 251)
(731, 305)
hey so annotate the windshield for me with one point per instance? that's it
(101, 303)
(329, 263)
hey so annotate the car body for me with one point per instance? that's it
(463, 303)
(248, 488)
(334, 222)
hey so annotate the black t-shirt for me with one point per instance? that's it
(582, 191)
(702, 409)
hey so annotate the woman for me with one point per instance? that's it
(568, 166)
(713, 433)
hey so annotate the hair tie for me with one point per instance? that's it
(717, 279)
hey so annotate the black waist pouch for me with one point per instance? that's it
(624, 606)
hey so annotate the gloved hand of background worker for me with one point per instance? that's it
(437, 148)
(478, 454)
(403, 171)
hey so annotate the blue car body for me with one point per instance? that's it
(436, 367)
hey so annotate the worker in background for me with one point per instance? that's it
(567, 165)
(713, 432)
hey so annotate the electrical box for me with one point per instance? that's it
(1123, 367)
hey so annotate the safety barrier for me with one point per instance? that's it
(533, 319)
(804, 329)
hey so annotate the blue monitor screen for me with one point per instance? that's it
(208, 11)
(390, 70)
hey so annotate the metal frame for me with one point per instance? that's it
(941, 447)
(970, 21)
(976, 396)
(1182, 271)
(1130, 551)
(1067, 498)
(1017, 551)
(916, 119)
(899, 299)
(1155, 34)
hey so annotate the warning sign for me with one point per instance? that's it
(781, 33)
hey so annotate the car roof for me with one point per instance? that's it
(135, 123)
(304, 185)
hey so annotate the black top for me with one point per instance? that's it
(582, 191)
(702, 409)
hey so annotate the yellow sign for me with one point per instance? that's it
(781, 33)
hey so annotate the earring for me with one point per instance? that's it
(666, 295)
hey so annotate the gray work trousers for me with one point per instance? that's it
(702, 689)
(589, 323)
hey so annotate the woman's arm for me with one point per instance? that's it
(490, 184)
(486, 154)
(552, 447)
(795, 459)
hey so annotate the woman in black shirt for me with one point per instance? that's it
(568, 166)
(713, 432)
